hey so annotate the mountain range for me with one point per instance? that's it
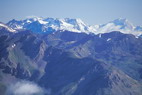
(69, 57)
(37, 24)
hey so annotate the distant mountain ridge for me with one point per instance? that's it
(43, 25)
(122, 25)
(51, 24)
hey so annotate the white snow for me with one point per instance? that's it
(13, 45)
(100, 35)
(82, 78)
(108, 39)
(42, 22)
(77, 25)
(71, 42)
(8, 28)
(19, 27)
(121, 25)
(28, 21)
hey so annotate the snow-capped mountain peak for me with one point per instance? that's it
(35, 19)
(122, 25)
(51, 24)
(120, 21)
(40, 25)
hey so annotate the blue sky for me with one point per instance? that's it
(90, 11)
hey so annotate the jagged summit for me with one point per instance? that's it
(123, 22)
(123, 25)
(51, 24)
(40, 25)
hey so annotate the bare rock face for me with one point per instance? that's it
(69, 63)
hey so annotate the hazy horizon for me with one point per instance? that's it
(91, 11)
